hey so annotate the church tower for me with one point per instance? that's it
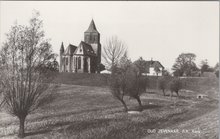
(92, 37)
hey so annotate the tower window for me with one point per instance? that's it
(91, 38)
(96, 38)
(87, 38)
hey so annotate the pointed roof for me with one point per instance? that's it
(152, 63)
(62, 48)
(70, 50)
(92, 27)
(87, 49)
(156, 63)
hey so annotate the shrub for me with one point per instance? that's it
(175, 86)
(162, 84)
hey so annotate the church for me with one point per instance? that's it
(84, 58)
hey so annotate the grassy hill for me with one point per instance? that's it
(89, 112)
(83, 108)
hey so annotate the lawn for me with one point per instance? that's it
(90, 112)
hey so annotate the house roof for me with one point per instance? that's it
(87, 49)
(70, 49)
(152, 63)
(92, 27)
(160, 64)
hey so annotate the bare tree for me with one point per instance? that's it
(23, 84)
(113, 50)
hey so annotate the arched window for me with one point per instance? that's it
(79, 62)
(91, 37)
(66, 60)
(85, 66)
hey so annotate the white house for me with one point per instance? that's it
(154, 68)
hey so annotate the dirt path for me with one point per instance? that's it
(204, 127)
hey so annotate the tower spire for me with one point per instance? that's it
(62, 48)
(92, 27)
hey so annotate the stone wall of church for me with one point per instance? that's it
(79, 64)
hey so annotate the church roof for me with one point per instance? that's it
(87, 48)
(92, 27)
(70, 49)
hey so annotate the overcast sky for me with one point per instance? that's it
(158, 30)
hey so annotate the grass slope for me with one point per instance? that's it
(90, 112)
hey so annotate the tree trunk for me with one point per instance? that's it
(21, 133)
(171, 94)
(124, 104)
(163, 92)
(177, 93)
(139, 102)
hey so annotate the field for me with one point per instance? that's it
(88, 111)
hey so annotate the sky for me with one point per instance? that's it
(150, 29)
